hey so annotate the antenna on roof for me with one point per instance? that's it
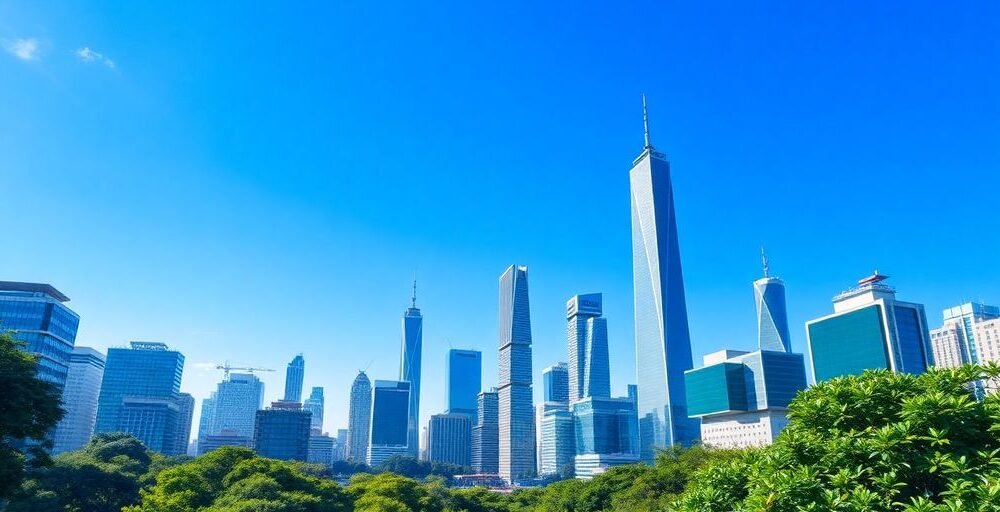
(763, 258)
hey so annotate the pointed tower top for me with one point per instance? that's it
(645, 123)
(414, 299)
(763, 259)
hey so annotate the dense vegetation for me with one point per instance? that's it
(878, 442)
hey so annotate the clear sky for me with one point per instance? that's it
(246, 181)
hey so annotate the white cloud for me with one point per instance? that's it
(205, 366)
(87, 55)
(24, 49)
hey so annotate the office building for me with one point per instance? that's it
(449, 439)
(412, 336)
(955, 342)
(224, 437)
(555, 380)
(207, 416)
(742, 397)
(988, 348)
(464, 377)
(39, 316)
(359, 419)
(321, 448)
(662, 339)
(772, 317)
(139, 395)
(83, 385)
(606, 434)
(389, 431)
(282, 431)
(314, 404)
(556, 439)
(236, 402)
(486, 434)
(587, 340)
(294, 377)
(869, 329)
(516, 413)
(185, 403)
(340, 448)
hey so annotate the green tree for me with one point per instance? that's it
(31, 409)
(388, 491)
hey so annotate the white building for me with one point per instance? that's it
(83, 386)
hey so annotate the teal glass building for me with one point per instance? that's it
(39, 316)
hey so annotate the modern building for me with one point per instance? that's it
(557, 438)
(314, 404)
(208, 443)
(742, 397)
(282, 431)
(449, 439)
(38, 315)
(869, 329)
(294, 377)
(83, 385)
(139, 395)
(321, 448)
(340, 448)
(772, 317)
(555, 380)
(955, 342)
(988, 348)
(207, 416)
(587, 340)
(662, 339)
(486, 434)
(464, 375)
(236, 402)
(606, 434)
(185, 403)
(516, 413)
(389, 431)
(359, 419)
(412, 336)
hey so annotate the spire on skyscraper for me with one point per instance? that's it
(763, 258)
(645, 123)
(414, 300)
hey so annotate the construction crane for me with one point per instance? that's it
(226, 368)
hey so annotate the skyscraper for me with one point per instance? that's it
(449, 439)
(464, 375)
(184, 419)
(955, 342)
(38, 315)
(233, 410)
(486, 434)
(314, 404)
(321, 448)
(83, 385)
(587, 339)
(206, 418)
(772, 318)
(359, 419)
(606, 434)
(556, 442)
(869, 329)
(139, 394)
(409, 367)
(555, 382)
(662, 340)
(282, 431)
(294, 376)
(390, 404)
(516, 414)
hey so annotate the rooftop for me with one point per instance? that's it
(47, 289)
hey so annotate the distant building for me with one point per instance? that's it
(464, 375)
(185, 403)
(450, 439)
(607, 434)
(39, 316)
(556, 440)
(236, 402)
(389, 433)
(314, 404)
(516, 413)
(294, 377)
(955, 343)
(282, 431)
(340, 448)
(485, 434)
(208, 443)
(869, 329)
(988, 348)
(140, 390)
(207, 416)
(772, 317)
(555, 382)
(412, 340)
(83, 385)
(587, 340)
(321, 448)
(359, 419)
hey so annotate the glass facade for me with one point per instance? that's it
(390, 404)
(605, 426)
(464, 377)
(83, 385)
(772, 319)
(236, 403)
(282, 432)
(359, 419)
(848, 344)
(186, 416)
(662, 339)
(486, 435)
(449, 439)
(314, 404)
(294, 376)
(409, 370)
(718, 388)
(557, 443)
(40, 319)
(555, 382)
(516, 413)
(154, 421)
(587, 341)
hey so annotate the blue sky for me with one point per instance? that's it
(246, 181)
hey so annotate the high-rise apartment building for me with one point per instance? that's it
(607, 434)
(282, 431)
(772, 318)
(555, 382)
(516, 413)
(869, 329)
(486, 434)
(140, 393)
(464, 377)
(83, 385)
(587, 340)
(556, 439)
(449, 439)
(662, 339)
(294, 377)
(39, 316)
(389, 431)
(412, 336)
(359, 419)
(314, 404)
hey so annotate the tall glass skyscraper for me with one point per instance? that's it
(516, 414)
(83, 385)
(464, 375)
(662, 340)
(359, 419)
(236, 402)
(486, 434)
(294, 376)
(587, 337)
(390, 405)
(555, 382)
(772, 318)
(185, 417)
(409, 367)
(38, 315)
(314, 404)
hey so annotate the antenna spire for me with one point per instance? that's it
(763, 259)
(414, 300)
(645, 122)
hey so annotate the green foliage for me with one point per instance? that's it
(31, 409)
(876, 442)
(419, 469)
